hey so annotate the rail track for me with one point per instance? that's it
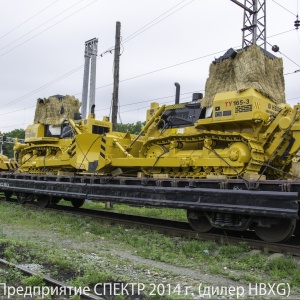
(4, 264)
(183, 229)
(179, 228)
(270, 207)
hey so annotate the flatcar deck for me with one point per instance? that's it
(260, 198)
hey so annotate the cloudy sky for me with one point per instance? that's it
(42, 50)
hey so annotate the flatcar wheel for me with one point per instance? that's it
(8, 195)
(198, 221)
(43, 200)
(280, 232)
(77, 202)
(23, 198)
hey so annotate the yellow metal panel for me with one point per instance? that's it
(34, 132)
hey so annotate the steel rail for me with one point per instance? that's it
(53, 282)
(181, 229)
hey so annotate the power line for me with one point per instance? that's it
(47, 28)
(158, 70)
(28, 20)
(162, 69)
(11, 112)
(108, 108)
(144, 101)
(284, 8)
(100, 87)
(141, 75)
(153, 21)
(280, 33)
(293, 98)
(137, 108)
(285, 56)
(289, 59)
(14, 125)
(138, 32)
(132, 36)
(292, 72)
(42, 87)
(40, 25)
(74, 70)
(145, 107)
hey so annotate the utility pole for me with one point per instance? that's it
(115, 101)
(254, 23)
(90, 57)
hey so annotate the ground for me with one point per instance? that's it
(86, 253)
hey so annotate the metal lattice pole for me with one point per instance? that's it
(90, 53)
(254, 24)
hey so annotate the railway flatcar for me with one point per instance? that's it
(243, 139)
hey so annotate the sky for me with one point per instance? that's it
(163, 42)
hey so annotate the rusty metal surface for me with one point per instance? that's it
(47, 279)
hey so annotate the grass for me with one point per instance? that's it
(84, 251)
(34, 280)
(11, 276)
(165, 213)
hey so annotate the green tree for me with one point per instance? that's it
(16, 133)
(131, 127)
(8, 147)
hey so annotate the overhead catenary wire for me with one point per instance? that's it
(286, 56)
(296, 15)
(12, 112)
(289, 59)
(101, 109)
(148, 73)
(124, 80)
(296, 71)
(56, 15)
(162, 69)
(27, 20)
(106, 85)
(159, 70)
(284, 8)
(280, 33)
(150, 100)
(41, 87)
(1, 55)
(96, 110)
(136, 109)
(146, 27)
(145, 107)
(70, 72)
(137, 32)
(128, 37)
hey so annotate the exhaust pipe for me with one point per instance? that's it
(177, 93)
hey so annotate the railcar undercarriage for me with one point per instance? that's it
(270, 208)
